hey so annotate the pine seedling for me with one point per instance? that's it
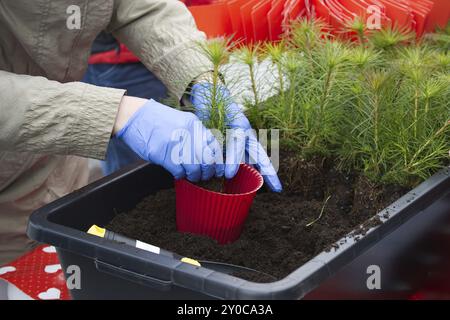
(442, 61)
(363, 58)
(310, 118)
(357, 28)
(415, 64)
(380, 108)
(249, 55)
(371, 130)
(275, 52)
(283, 110)
(217, 52)
(440, 40)
(306, 34)
(362, 62)
(432, 89)
(292, 65)
(419, 142)
(332, 94)
(413, 161)
(391, 141)
(391, 37)
(330, 62)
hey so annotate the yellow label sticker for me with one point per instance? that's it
(97, 231)
(191, 261)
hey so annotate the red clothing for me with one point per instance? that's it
(123, 55)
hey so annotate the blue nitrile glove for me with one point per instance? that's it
(236, 148)
(174, 139)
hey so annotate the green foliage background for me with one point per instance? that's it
(378, 104)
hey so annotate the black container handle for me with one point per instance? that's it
(162, 285)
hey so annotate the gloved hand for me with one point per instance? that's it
(176, 140)
(236, 148)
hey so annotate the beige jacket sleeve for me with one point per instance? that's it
(43, 116)
(163, 34)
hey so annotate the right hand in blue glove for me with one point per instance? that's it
(236, 148)
(174, 139)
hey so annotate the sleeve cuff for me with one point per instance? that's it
(78, 120)
(96, 117)
(179, 67)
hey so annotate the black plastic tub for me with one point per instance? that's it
(111, 270)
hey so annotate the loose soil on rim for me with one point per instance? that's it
(282, 231)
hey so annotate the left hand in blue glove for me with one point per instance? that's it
(244, 140)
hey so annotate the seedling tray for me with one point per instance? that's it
(112, 270)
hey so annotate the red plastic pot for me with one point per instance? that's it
(220, 216)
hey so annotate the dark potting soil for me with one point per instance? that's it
(215, 184)
(283, 231)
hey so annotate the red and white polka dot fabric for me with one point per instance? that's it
(38, 274)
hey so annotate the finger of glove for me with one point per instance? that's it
(273, 182)
(203, 153)
(193, 172)
(199, 97)
(236, 117)
(176, 170)
(235, 151)
(259, 157)
(217, 153)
